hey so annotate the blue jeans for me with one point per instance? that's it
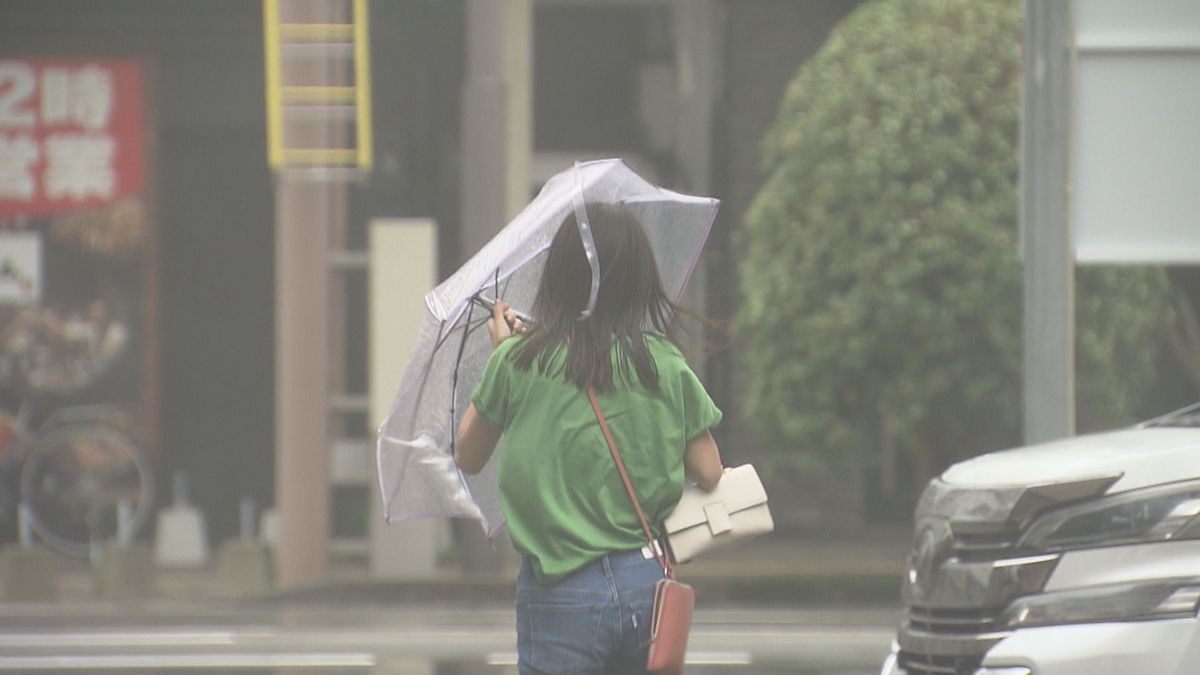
(596, 620)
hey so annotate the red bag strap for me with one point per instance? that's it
(659, 555)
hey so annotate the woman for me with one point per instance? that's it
(585, 589)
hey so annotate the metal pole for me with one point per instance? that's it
(496, 118)
(496, 149)
(1047, 241)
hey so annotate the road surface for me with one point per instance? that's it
(409, 640)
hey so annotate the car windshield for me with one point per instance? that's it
(1187, 417)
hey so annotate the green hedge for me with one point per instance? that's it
(881, 286)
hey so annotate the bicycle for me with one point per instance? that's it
(82, 480)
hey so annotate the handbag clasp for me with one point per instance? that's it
(718, 518)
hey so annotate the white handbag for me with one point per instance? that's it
(734, 512)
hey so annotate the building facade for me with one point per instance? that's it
(684, 90)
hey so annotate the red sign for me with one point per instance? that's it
(70, 134)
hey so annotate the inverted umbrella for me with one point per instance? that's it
(415, 452)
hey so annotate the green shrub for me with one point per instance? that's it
(879, 266)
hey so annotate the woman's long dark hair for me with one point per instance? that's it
(631, 301)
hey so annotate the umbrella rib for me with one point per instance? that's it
(462, 346)
(467, 327)
(467, 324)
(513, 266)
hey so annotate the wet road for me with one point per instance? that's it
(416, 640)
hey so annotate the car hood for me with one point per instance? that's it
(1142, 457)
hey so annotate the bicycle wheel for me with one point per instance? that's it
(13, 443)
(75, 481)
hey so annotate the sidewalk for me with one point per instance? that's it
(862, 568)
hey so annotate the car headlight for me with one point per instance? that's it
(1166, 599)
(1157, 514)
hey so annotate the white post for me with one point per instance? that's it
(124, 523)
(403, 268)
(24, 525)
(1049, 313)
(246, 517)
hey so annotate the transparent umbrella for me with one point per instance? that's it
(415, 453)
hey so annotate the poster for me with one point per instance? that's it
(74, 236)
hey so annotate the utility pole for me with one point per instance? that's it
(497, 124)
(497, 118)
(1047, 241)
(319, 139)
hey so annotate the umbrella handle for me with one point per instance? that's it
(490, 305)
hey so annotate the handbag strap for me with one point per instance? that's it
(659, 555)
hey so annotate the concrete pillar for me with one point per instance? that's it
(497, 118)
(698, 55)
(303, 214)
(497, 147)
(310, 218)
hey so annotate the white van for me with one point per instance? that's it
(1078, 557)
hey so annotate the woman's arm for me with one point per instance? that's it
(477, 437)
(702, 461)
(477, 440)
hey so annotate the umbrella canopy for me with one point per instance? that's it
(417, 474)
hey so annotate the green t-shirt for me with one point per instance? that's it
(560, 490)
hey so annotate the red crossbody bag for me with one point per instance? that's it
(674, 601)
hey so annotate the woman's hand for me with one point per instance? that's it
(504, 323)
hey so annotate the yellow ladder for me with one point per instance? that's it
(318, 79)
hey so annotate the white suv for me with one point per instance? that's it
(1078, 557)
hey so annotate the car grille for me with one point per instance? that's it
(955, 640)
(923, 664)
(952, 621)
(967, 564)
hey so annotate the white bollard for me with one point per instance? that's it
(124, 523)
(24, 525)
(246, 513)
(181, 539)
